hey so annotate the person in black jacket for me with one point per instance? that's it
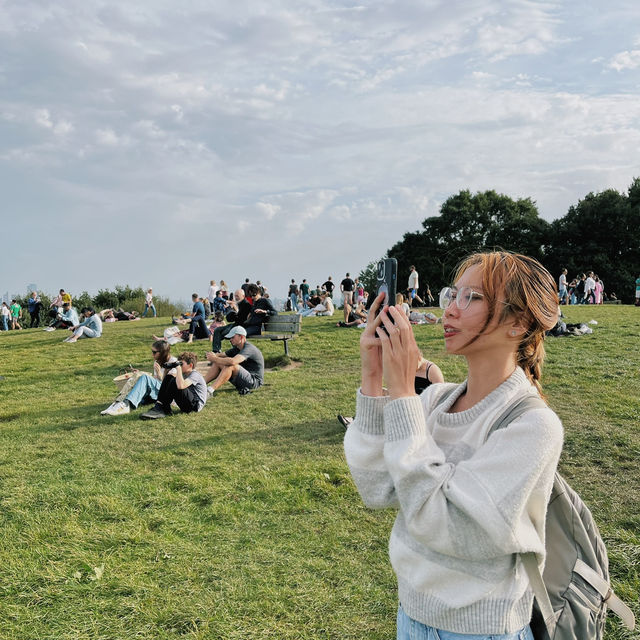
(240, 310)
(262, 309)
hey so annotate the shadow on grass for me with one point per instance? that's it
(293, 438)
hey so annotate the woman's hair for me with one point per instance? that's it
(218, 316)
(518, 287)
(90, 310)
(164, 351)
(399, 298)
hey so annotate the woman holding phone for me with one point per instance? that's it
(469, 499)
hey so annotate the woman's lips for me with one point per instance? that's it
(449, 331)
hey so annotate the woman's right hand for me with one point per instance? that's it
(371, 352)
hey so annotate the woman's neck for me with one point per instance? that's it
(485, 375)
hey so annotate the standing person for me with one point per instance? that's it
(579, 289)
(412, 287)
(346, 287)
(148, 304)
(211, 294)
(304, 292)
(329, 286)
(638, 291)
(198, 326)
(34, 304)
(5, 316)
(563, 297)
(224, 289)
(470, 500)
(598, 289)
(90, 327)
(590, 289)
(16, 314)
(293, 295)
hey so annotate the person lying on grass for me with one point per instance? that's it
(242, 365)
(186, 388)
(90, 327)
(141, 387)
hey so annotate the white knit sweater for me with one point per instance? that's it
(467, 504)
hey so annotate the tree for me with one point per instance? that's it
(467, 223)
(600, 234)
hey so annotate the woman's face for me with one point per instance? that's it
(155, 353)
(462, 325)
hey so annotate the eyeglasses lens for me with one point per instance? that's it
(445, 297)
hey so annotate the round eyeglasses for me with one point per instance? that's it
(463, 296)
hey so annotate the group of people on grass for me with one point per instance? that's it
(471, 499)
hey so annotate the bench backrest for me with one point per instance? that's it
(284, 323)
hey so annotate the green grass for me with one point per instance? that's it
(242, 521)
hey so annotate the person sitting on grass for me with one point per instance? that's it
(198, 326)
(242, 365)
(90, 327)
(143, 388)
(356, 318)
(186, 388)
(323, 306)
(65, 317)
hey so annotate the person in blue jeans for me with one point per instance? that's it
(198, 326)
(6, 314)
(143, 388)
(471, 501)
(148, 304)
(293, 295)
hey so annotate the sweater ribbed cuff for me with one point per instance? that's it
(404, 418)
(370, 413)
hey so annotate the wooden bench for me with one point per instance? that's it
(280, 327)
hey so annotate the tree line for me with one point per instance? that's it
(600, 233)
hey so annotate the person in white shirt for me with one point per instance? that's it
(413, 286)
(148, 304)
(470, 500)
(589, 289)
(6, 314)
(563, 295)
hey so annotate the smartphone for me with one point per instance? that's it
(386, 281)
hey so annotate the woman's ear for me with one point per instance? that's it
(515, 329)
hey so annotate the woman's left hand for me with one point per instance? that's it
(400, 352)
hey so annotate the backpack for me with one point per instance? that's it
(573, 593)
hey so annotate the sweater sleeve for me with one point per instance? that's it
(492, 503)
(363, 446)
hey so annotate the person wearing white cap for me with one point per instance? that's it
(242, 365)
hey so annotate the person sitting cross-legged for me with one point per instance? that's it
(187, 389)
(242, 365)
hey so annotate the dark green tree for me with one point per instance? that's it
(469, 222)
(600, 234)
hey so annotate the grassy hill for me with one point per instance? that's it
(242, 521)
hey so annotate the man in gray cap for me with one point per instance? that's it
(242, 365)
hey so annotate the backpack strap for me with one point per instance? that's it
(529, 560)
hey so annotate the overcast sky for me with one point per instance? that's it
(163, 144)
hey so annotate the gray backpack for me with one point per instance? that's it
(573, 593)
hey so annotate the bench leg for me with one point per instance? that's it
(286, 347)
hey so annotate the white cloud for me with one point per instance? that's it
(625, 60)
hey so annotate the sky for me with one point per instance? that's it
(164, 144)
